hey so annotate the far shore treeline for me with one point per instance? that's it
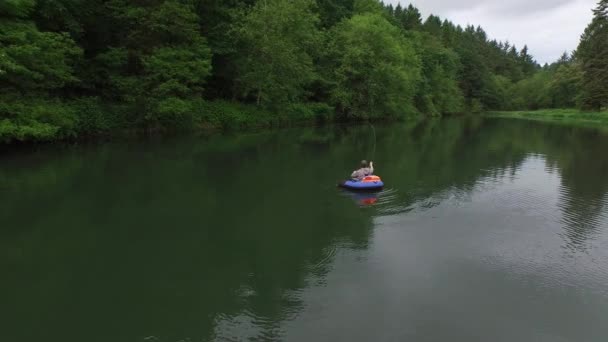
(74, 68)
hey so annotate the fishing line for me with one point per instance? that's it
(374, 132)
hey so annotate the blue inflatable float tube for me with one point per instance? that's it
(362, 186)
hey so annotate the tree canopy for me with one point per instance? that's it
(375, 69)
(77, 67)
(593, 54)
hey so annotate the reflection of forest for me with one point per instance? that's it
(165, 238)
(581, 157)
(578, 154)
(120, 243)
(447, 153)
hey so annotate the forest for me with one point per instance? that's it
(77, 68)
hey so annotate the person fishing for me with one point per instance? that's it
(366, 169)
(363, 179)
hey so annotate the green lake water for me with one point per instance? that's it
(487, 230)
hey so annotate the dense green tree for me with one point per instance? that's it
(30, 59)
(564, 87)
(376, 70)
(438, 92)
(408, 18)
(217, 18)
(16, 8)
(159, 60)
(564, 59)
(592, 53)
(449, 34)
(528, 65)
(33, 66)
(332, 12)
(432, 25)
(278, 39)
(369, 6)
(411, 19)
(532, 93)
(475, 78)
(63, 16)
(502, 94)
(70, 67)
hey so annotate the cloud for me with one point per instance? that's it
(519, 8)
(439, 6)
(548, 27)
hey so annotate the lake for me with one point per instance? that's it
(487, 230)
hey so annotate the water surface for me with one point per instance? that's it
(488, 230)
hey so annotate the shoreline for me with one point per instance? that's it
(214, 117)
(246, 118)
(572, 117)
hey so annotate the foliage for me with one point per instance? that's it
(71, 68)
(438, 91)
(177, 71)
(278, 38)
(565, 86)
(31, 60)
(531, 93)
(332, 12)
(230, 115)
(32, 119)
(593, 55)
(367, 7)
(375, 68)
(33, 65)
(16, 8)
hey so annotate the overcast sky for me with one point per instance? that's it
(549, 27)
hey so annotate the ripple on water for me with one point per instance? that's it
(245, 326)
(392, 202)
(321, 265)
(582, 218)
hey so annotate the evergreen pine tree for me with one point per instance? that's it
(411, 18)
(592, 52)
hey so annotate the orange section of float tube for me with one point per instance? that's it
(371, 179)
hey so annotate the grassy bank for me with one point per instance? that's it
(565, 116)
